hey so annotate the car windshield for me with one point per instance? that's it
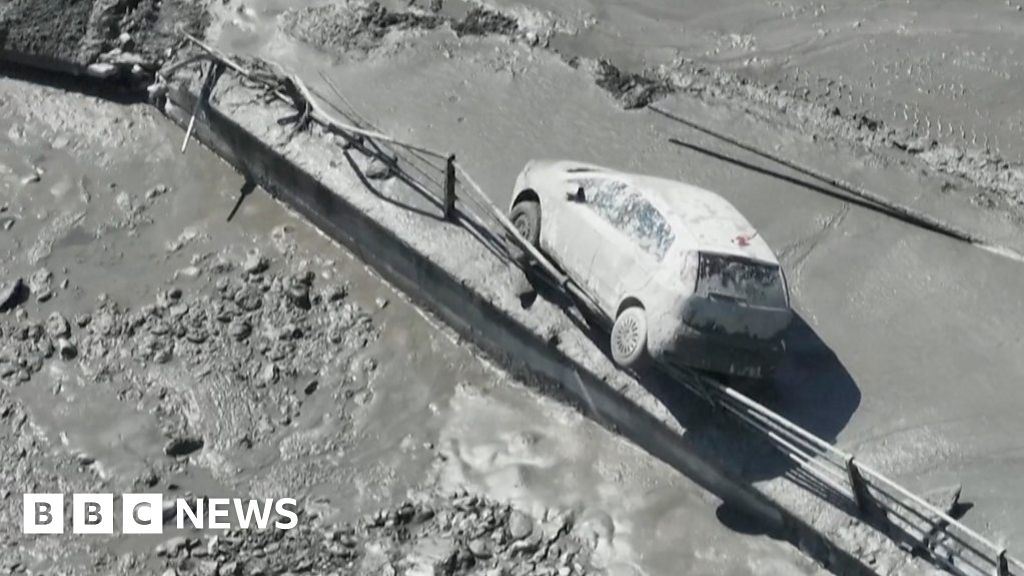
(741, 280)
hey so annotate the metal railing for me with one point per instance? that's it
(904, 516)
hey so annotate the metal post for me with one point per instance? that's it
(1002, 567)
(860, 491)
(449, 188)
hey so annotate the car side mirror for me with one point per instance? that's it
(578, 196)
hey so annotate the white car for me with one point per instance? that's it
(685, 277)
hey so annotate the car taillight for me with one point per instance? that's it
(688, 273)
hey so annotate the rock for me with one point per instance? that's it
(311, 387)
(230, 569)
(183, 446)
(156, 191)
(172, 546)
(298, 294)
(66, 349)
(11, 294)
(239, 330)
(57, 326)
(40, 280)
(255, 263)
(482, 547)
(382, 303)
(268, 374)
(519, 525)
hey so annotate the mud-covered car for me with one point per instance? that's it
(682, 274)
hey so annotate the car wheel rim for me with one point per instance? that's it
(628, 337)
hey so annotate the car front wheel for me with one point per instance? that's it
(525, 217)
(629, 337)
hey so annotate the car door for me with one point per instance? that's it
(576, 234)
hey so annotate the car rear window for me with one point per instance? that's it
(741, 280)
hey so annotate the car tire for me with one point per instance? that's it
(629, 337)
(525, 216)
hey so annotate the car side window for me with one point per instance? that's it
(634, 216)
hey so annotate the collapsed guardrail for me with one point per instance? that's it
(904, 516)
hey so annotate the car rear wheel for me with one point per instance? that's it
(629, 337)
(525, 217)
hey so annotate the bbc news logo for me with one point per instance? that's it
(144, 513)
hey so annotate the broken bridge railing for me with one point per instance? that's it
(905, 517)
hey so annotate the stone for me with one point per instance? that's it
(11, 294)
(57, 326)
(298, 294)
(240, 330)
(255, 263)
(482, 548)
(519, 525)
(66, 349)
(183, 445)
(172, 546)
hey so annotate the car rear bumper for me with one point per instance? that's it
(723, 353)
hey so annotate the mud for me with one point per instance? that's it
(86, 32)
(352, 28)
(164, 332)
(866, 288)
(823, 106)
(905, 79)
(178, 332)
(455, 534)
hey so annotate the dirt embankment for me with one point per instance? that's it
(88, 32)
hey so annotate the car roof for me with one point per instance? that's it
(702, 219)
